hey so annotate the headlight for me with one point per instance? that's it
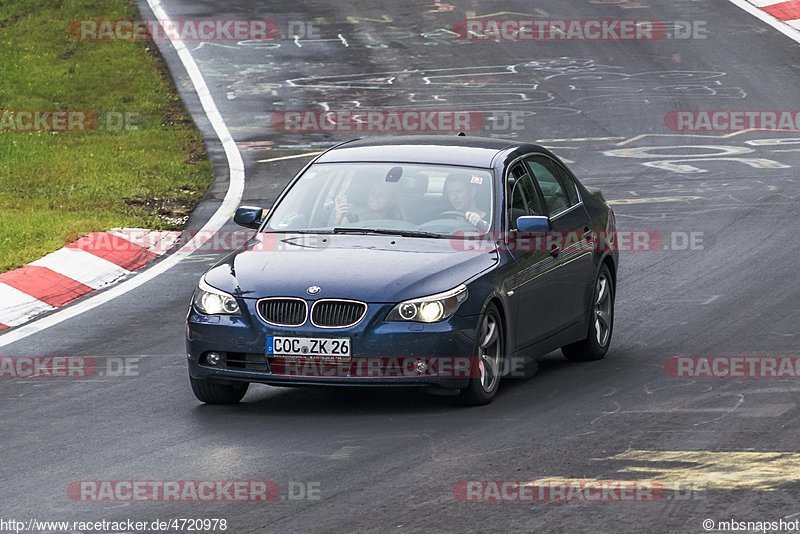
(429, 309)
(212, 301)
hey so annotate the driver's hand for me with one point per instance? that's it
(475, 220)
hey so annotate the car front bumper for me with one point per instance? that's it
(397, 354)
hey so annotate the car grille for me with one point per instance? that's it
(283, 311)
(337, 313)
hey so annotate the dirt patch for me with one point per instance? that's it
(11, 20)
(196, 150)
(172, 211)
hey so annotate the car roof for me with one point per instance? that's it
(434, 149)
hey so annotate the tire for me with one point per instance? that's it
(601, 322)
(211, 392)
(489, 351)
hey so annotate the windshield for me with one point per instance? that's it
(407, 199)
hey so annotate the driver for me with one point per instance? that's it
(460, 191)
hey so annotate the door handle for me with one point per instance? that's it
(555, 250)
(588, 234)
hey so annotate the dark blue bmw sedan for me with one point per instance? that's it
(436, 262)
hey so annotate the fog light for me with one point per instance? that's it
(214, 358)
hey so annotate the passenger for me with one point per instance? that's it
(460, 191)
(380, 206)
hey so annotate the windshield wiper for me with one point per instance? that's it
(383, 231)
(282, 231)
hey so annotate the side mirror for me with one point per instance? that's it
(249, 216)
(534, 224)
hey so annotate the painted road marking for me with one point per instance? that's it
(344, 453)
(78, 268)
(702, 136)
(19, 307)
(785, 10)
(85, 267)
(577, 139)
(44, 284)
(672, 161)
(474, 14)
(649, 200)
(734, 470)
(760, 410)
(701, 302)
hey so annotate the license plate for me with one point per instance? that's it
(306, 347)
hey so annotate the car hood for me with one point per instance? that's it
(370, 268)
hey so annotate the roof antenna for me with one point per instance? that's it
(461, 134)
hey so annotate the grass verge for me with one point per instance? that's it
(138, 161)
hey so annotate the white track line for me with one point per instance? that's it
(232, 198)
(788, 31)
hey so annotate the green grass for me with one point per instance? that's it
(55, 187)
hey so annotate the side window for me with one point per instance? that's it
(547, 177)
(521, 195)
(569, 183)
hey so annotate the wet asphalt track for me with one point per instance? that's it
(389, 459)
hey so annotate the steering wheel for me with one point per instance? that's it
(452, 214)
(447, 222)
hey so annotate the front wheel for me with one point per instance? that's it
(485, 379)
(601, 322)
(211, 392)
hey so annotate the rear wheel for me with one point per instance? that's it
(601, 322)
(211, 392)
(482, 388)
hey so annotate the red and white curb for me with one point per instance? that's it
(786, 12)
(94, 261)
